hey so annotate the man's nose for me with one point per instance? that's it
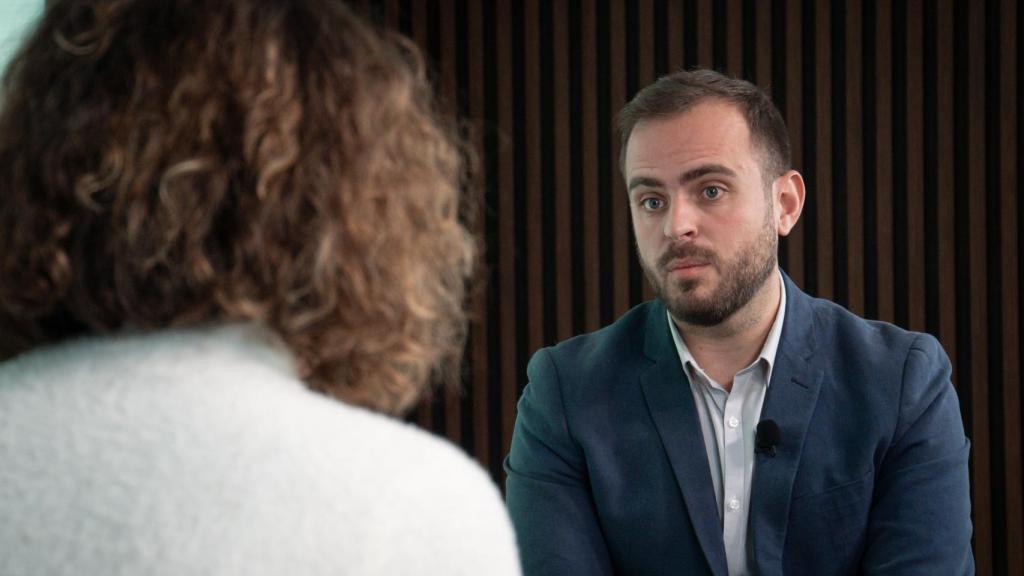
(681, 220)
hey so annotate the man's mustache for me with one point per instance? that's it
(685, 251)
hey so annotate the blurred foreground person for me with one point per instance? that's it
(231, 239)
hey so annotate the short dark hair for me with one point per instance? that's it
(677, 93)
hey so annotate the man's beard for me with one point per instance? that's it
(741, 278)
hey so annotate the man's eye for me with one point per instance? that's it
(652, 203)
(712, 192)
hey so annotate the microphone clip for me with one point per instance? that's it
(766, 438)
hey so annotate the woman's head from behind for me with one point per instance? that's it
(178, 162)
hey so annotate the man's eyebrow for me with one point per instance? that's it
(684, 178)
(706, 170)
(644, 181)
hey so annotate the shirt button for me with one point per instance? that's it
(734, 504)
(734, 422)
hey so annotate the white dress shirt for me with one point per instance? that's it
(728, 421)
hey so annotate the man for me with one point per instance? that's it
(735, 425)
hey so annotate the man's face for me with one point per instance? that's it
(703, 215)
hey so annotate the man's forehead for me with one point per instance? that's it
(711, 128)
(713, 118)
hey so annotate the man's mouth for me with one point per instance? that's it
(686, 267)
(685, 264)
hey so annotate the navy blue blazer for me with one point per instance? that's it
(608, 473)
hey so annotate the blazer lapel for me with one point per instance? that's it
(790, 401)
(667, 392)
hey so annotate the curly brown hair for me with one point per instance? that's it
(178, 162)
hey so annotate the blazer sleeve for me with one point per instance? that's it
(547, 491)
(921, 514)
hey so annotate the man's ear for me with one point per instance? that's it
(788, 190)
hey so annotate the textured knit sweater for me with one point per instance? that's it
(200, 452)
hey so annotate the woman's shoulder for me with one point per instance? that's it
(420, 503)
(433, 504)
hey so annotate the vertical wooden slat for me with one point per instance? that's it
(425, 413)
(1014, 530)
(482, 375)
(676, 36)
(420, 19)
(734, 38)
(883, 159)
(705, 34)
(823, 146)
(592, 258)
(644, 43)
(449, 93)
(915, 168)
(763, 45)
(564, 229)
(794, 120)
(854, 159)
(620, 220)
(979, 391)
(944, 160)
(508, 309)
(448, 55)
(392, 13)
(645, 75)
(534, 183)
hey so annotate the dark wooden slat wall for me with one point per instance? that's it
(904, 117)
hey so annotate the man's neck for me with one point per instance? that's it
(725, 349)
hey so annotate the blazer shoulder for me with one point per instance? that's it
(621, 338)
(605, 356)
(874, 341)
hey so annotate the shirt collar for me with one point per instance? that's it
(768, 351)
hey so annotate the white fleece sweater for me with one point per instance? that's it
(199, 452)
